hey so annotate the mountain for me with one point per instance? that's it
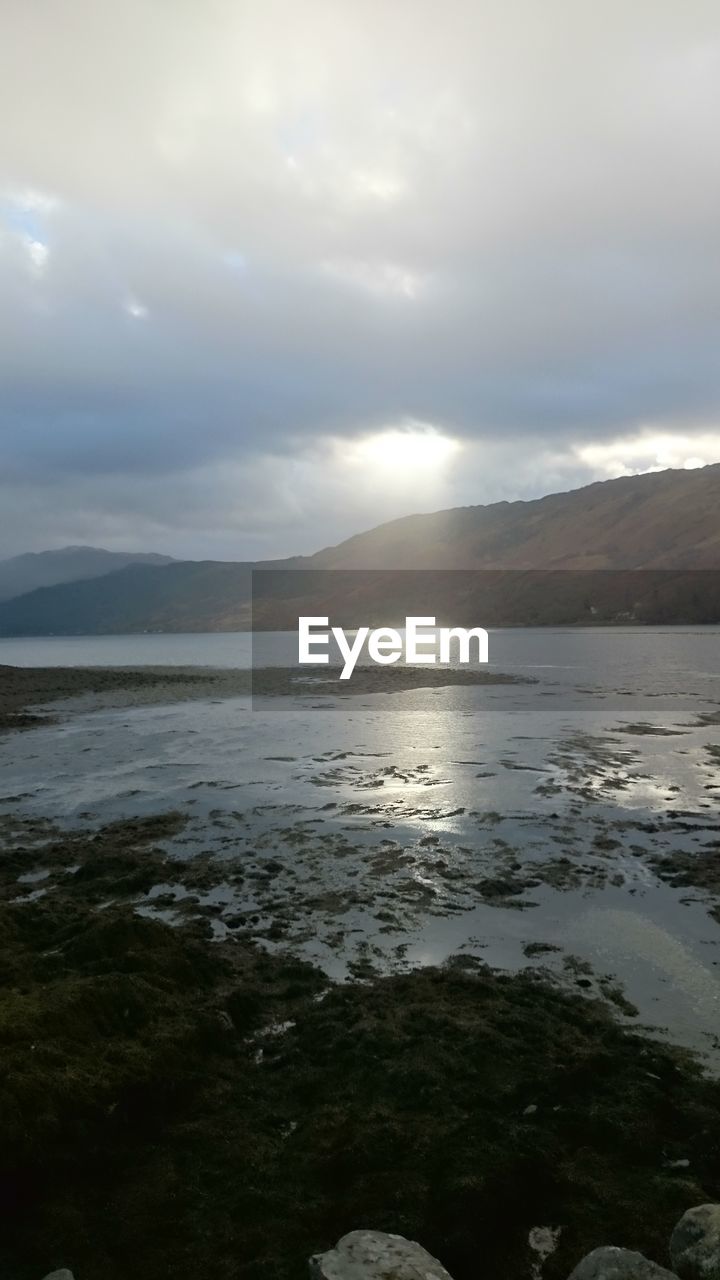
(660, 526)
(186, 595)
(663, 520)
(48, 568)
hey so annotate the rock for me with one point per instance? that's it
(543, 1241)
(695, 1243)
(63, 1274)
(374, 1255)
(610, 1263)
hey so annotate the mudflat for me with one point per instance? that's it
(24, 687)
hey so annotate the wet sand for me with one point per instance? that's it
(22, 688)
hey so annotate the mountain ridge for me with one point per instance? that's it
(35, 569)
(510, 518)
(656, 522)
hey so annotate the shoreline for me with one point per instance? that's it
(22, 688)
(178, 1099)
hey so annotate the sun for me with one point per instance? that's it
(402, 454)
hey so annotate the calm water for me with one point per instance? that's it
(649, 659)
(219, 649)
(391, 820)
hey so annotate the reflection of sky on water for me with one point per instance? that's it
(538, 771)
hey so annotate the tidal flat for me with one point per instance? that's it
(437, 958)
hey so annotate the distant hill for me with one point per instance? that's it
(187, 595)
(666, 521)
(70, 564)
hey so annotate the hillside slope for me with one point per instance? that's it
(664, 521)
(187, 595)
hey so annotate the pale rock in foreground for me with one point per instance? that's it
(610, 1263)
(374, 1255)
(695, 1243)
(63, 1274)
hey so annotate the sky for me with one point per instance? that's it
(274, 272)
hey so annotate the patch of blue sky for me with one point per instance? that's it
(23, 220)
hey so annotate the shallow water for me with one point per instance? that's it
(622, 657)
(400, 828)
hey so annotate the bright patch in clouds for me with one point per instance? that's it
(408, 455)
(651, 451)
(23, 213)
(395, 256)
(38, 255)
(136, 309)
(30, 200)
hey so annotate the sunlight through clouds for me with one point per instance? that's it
(651, 451)
(413, 454)
(491, 226)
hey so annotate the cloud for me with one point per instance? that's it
(652, 451)
(233, 235)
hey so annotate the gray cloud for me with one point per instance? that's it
(233, 236)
